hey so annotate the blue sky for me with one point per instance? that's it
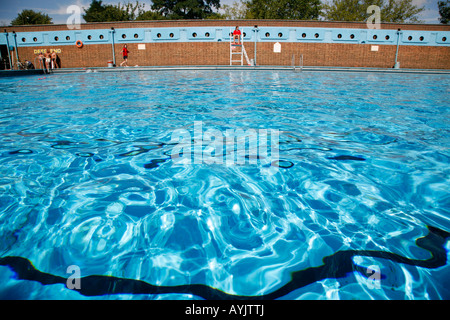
(57, 9)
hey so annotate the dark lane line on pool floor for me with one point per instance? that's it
(337, 265)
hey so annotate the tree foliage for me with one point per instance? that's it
(150, 15)
(31, 17)
(186, 9)
(396, 11)
(444, 11)
(237, 10)
(98, 12)
(356, 10)
(283, 9)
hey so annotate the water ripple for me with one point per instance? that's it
(87, 178)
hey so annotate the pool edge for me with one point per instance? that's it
(15, 73)
(252, 68)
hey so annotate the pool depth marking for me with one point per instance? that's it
(337, 265)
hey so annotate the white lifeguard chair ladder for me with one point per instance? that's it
(237, 49)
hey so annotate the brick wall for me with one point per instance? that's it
(217, 53)
(355, 55)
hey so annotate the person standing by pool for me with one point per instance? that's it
(41, 60)
(237, 35)
(54, 62)
(48, 61)
(125, 55)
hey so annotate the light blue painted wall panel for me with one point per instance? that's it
(345, 35)
(201, 34)
(129, 35)
(29, 38)
(96, 36)
(165, 34)
(61, 37)
(443, 37)
(265, 34)
(382, 36)
(314, 34)
(416, 37)
(274, 34)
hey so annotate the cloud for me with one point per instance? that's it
(58, 11)
(419, 3)
(61, 10)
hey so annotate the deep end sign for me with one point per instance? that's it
(37, 51)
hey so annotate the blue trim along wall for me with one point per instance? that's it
(216, 34)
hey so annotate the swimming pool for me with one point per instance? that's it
(89, 186)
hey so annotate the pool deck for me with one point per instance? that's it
(9, 73)
(253, 68)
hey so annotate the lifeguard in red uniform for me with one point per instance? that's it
(237, 35)
(125, 52)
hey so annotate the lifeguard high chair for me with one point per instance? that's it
(237, 49)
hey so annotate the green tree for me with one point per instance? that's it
(356, 10)
(31, 17)
(444, 11)
(344, 10)
(97, 12)
(150, 15)
(186, 9)
(237, 10)
(283, 9)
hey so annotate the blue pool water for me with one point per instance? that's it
(87, 180)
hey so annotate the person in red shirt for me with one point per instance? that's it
(237, 35)
(125, 55)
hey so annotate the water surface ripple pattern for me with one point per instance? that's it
(86, 179)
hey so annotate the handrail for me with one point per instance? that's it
(40, 63)
(300, 62)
